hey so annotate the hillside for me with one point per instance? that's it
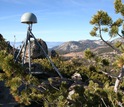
(76, 46)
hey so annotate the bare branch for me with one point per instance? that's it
(110, 75)
(120, 35)
(100, 32)
(104, 102)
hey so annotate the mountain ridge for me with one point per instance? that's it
(81, 45)
(77, 46)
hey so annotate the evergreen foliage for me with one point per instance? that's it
(93, 89)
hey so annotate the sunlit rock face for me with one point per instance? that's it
(36, 51)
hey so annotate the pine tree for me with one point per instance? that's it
(103, 23)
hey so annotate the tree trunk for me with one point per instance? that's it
(118, 80)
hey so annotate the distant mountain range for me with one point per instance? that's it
(76, 46)
(53, 44)
(79, 46)
(49, 44)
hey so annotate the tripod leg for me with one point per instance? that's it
(29, 46)
(47, 56)
(26, 42)
(24, 51)
(16, 59)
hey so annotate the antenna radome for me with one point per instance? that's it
(28, 18)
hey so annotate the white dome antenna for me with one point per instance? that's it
(28, 18)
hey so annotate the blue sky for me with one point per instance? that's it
(58, 20)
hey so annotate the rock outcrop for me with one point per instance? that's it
(5, 45)
(36, 51)
(54, 54)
